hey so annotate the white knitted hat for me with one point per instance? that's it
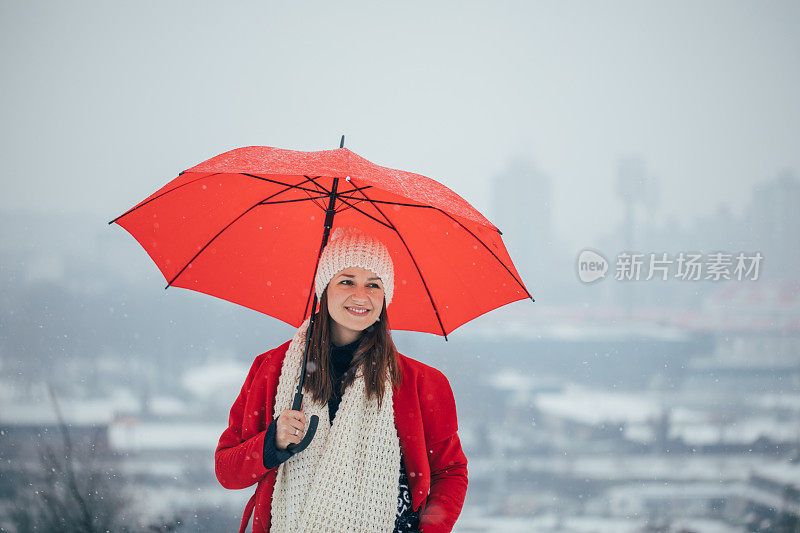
(349, 247)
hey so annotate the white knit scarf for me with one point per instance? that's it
(347, 478)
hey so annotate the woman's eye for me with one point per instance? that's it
(346, 282)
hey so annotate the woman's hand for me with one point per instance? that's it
(290, 428)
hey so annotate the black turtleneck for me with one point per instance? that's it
(341, 357)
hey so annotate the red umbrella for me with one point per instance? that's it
(248, 226)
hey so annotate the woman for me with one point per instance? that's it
(386, 455)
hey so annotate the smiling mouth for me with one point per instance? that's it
(357, 311)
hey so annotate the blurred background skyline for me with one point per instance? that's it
(617, 126)
(118, 98)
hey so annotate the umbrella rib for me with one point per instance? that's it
(465, 229)
(366, 214)
(314, 181)
(290, 201)
(411, 205)
(487, 249)
(346, 207)
(289, 185)
(356, 189)
(424, 283)
(134, 208)
(390, 203)
(357, 200)
(226, 227)
(326, 191)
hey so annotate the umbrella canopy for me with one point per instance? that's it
(247, 226)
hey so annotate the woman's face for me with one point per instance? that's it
(355, 301)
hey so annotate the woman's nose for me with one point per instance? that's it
(360, 293)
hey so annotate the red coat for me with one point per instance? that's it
(425, 418)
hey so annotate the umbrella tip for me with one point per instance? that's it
(341, 142)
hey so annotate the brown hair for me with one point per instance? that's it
(375, 354)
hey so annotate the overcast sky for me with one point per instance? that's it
(104, 102)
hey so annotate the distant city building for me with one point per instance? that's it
(773, 224)
(523, 211)
(638, 192)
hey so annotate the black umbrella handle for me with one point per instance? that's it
(312, 428)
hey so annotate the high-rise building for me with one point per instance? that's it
(522, 208)
(772, 222)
